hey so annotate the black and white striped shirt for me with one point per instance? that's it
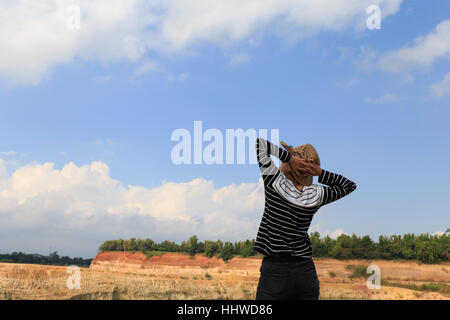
(288, 212)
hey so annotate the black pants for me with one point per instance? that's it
(288, 280)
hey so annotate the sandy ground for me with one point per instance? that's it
(120, 275)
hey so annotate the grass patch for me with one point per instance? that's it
(154, 253)
(332, 274)
(430, 287)
(208, 276)
(357, 271)
(350, 267)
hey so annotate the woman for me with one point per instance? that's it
(291, 200)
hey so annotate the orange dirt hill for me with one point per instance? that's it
(138, 262)
(127, 275)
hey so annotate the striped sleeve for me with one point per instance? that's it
(336, 187)
(263, 151)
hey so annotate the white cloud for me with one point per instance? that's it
(104, 142)
(386, 98)
(145, 67)
(333, 234)
(365, 61)
(9, 153)
(103, 79)
(178, 77)
(442, 88)
(336, 233)
(225, 21)
(422, 54)
(346, 84)
(84, 202)
(239, 59)
(34, 36)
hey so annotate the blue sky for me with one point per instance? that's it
(375, 103)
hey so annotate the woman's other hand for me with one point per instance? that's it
(305, 166)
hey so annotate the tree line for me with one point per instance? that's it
(192, 246)
(52, 259)
(425, 248)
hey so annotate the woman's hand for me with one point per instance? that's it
(304, 166)
(296, 167)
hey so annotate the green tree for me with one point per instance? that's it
(148, 244)
(211, 248)
(428, 252)
(184, 247)
(121, 245)
(201, 247)
(131, 244)
(227, 251)
(247, 248)
(192, 245)
(342, 248)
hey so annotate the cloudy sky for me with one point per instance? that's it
(89, 103)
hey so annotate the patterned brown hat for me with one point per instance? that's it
(303, 151)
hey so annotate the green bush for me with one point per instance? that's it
(227, 251)
(359, 272)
